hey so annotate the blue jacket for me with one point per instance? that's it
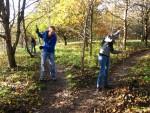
(49, 43)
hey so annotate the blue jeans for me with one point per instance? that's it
(50, 56)
(104, 68)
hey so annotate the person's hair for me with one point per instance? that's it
(53, 27)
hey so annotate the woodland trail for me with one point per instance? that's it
(58, 99)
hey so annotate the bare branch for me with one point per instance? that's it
(25, 38)
(29, 13)
(19, 20)
(32, 4)
(33, 21)
(3, 36)
(115, 15)
(141, 5)
(13, 20)
(21, 10)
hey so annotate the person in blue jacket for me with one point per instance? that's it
(104, 59)
(48, 50)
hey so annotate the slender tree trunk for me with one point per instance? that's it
(86, 41)
(125, 24)
(91, 25)
(65, 39)
(26, 44)
(22, 42)
(125, 34)
(84, 44)
(146, 32)
(146, 24)
(145, 20)
(25, 37)
(87, 32)
(83, 54)
(143, 32)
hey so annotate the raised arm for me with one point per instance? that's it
(116, 35)
(38, 33)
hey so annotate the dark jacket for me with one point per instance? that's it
(106, 48)
(107, 44)
(33, 41)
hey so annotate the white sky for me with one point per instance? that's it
(27, 10)
(108, 4)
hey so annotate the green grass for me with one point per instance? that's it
(70, 56)
(142, 69)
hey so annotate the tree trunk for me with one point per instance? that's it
(25, 38)
(143, 31)
(84, 45)
(65, 40)
(145, 21)
(125, 24)
(91, 25)
(146, 24)
(26, 44)
(87, 32)
(5, 18)
(10, 54)
(83, 56)
(146, 32)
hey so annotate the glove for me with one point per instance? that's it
(41, 47)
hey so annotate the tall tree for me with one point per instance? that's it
(7, 22)
(145, 12)
(143, 9)
(91, 11)
(125, 22)
(88, 30)
(85, 30)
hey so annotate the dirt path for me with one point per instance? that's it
(119, 72)
(57, 99)
(54, 93)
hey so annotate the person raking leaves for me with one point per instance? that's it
(104, 59)
(48, 51)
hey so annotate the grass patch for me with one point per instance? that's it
(142, 69)
(18, 87)
(141, 72)
(70, 56)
